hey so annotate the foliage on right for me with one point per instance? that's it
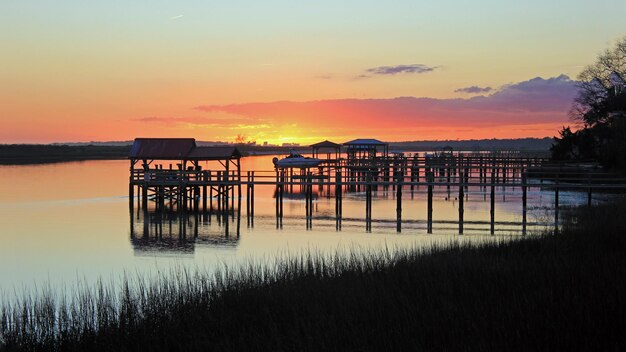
(600, 108)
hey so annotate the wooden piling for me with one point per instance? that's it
(461, 202)
(399, 181)
(492, 201)
(524, 201)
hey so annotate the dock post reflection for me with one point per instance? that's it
(338, 200)
(180, 231)
(308, 196)
(430, 178)
(556, 203)
(399, 181)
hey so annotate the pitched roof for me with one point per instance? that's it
(162, 148)
(179, 149)
(214, 153)
(362, 141)
(326, 144)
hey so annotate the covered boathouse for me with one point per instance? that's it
(327, 146)
(366, 149)
(183, 183)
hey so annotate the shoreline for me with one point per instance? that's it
(27, 154)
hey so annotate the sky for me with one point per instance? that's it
(296, 72)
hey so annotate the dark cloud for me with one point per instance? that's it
(536, 94)
(392, 70)
(474, 90)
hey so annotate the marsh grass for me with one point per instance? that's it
(564, 292)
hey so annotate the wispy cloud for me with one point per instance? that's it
(474, 90)
(393, 70)
(324, 77)
(206, 121)
(176, 17)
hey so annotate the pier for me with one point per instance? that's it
(369, 169)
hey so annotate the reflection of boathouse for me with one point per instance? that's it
(165, 232)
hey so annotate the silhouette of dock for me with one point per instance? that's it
(367, 168)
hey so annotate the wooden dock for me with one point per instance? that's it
(221, 191)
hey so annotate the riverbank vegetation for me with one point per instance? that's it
(563, 292)
(16, 154)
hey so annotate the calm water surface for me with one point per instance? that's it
(70, 221)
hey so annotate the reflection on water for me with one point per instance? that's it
(60, 222)
(161, 232)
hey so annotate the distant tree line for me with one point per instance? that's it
(600, 107)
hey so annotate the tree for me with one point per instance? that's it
(601, 87)
(601, 107)
(240, 139)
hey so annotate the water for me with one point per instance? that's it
(70, 221)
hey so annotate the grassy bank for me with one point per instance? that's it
(541, 293)
(16, 154)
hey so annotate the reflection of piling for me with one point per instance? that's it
(308, 195)
(556, 204)
(250, 198)
(338, 199)
(430, 178)
(368, 203)
(589, 190)
(399, 184)
(131, 195)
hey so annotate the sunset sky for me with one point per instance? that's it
(288, 71)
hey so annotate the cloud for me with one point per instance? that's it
(538, 103)
(324, 77)
(206, 121)
(392, 70)
(474, 90)
(176, 17)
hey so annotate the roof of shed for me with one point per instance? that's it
(365, 142)
(162, 148)
(214, 153)
(326, 144)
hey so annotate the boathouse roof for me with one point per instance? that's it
(179, 149)
(214, 153)
(362, 142)
(326, 144)
(162, 148)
